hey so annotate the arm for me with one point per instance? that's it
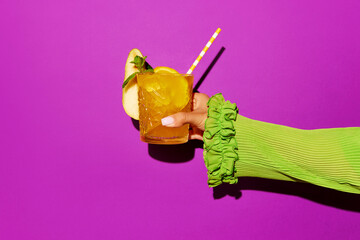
(236, 146)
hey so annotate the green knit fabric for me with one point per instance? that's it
(236, 146)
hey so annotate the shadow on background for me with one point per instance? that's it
(207, 71)
(135, 124)
(325, 196)
(174, 153)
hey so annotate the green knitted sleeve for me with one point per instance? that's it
(236, 146)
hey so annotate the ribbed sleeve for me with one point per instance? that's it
(325, 157)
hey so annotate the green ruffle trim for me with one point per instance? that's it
(219, 141)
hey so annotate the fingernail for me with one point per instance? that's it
(167, 121)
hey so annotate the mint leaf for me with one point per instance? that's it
(129, 78)
(139, 62)
(143, 61)
(141, 65)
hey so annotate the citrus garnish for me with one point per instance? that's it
(164, 70)
(178, 87)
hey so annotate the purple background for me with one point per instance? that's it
(72, 165)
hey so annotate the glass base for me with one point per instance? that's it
(164, 141)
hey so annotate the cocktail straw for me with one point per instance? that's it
(204, 51)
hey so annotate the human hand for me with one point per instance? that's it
(196, 118)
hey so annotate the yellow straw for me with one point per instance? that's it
(204, 51)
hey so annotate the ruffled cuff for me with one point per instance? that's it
(219, 141)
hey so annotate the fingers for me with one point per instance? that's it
(195, 134)
(179, 119)
(196, 118)
(196, 137)
(199, 101)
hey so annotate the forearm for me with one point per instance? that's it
(325, 157)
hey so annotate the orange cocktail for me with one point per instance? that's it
(162, 94)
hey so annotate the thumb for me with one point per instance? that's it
(181, 118)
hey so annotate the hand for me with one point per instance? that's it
(196, 118)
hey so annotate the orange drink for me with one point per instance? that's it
(162, 94)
